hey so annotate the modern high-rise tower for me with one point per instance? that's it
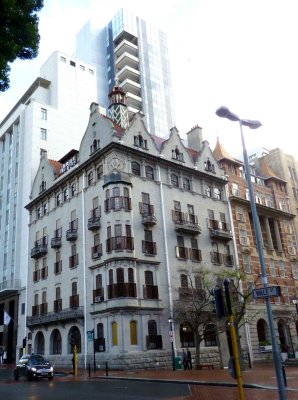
(133, 55)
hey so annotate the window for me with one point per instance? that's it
(149, 172)
(207, 190)
(130, 275)
(186, 184)
(235, 189)
(239, 214)
(210, 335)
(98, 281)
(91, 71)
(183, 281)
(148, 278)
(285, 295)
(135, 168)
(82, 68)
(209, 166)
(58, 199)
(272, 267)
(99, 171)
(65, 195)
(246, 263)
(72, 63)
(43, 134)
(90, 178)
(295, 270)
(74, 288)
(174, 180)
(282, 271)
(62, 59)
(111, 277)
(73, 189)
(114, 334)
(43, 113)
(243, 237)
(217, 193)
(133, 333)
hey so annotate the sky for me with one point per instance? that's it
(238, 53)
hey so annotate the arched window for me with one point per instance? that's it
(149, 172)
(111, 280)
(130, 275)
(207, 190)
(39, 343)
(183, 281)
(210, 335)
(148, 278)
(107, 193)
(262, 331)
(186, 184)
(55, 342)
(98, 281)
(100, 332)
(135, 168)
(217, 193)
(114, 334)
(120, 275)
(74, 338)
(186, 335)
(152, 329)
(174, 180)
(133, 333)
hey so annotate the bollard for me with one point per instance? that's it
(89, 369)
(284, 374)
(107, 370)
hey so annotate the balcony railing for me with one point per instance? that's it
(56, 240)
(219, 230)
(73, 261)
(150, 292)
(55, 316)
(98, 295)
(40, 248)
(35, 310)
(44, 273)
(72, 232)
(216, 258)
(154, 342)
(118, 203)
(149, 247)
(94, 220)
(96, 251)
(119, 243)
(74, 301)
(185, 253)
(147, 212)
(195, 255)
(116, 290)
(58, 267)
(186, 223)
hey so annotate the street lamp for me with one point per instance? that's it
(224, 112)
(171, 336)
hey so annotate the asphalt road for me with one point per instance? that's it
(91, 390)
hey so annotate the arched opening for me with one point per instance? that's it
(56, 342)
(263, 332)
(282, 335)
(39, 343)
(186, 335)
(74, 339)
(133, 333)
(210, 337)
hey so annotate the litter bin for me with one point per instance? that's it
(178, 362)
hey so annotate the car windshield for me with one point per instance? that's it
(37, 360)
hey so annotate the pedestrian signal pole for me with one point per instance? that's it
(75, 360)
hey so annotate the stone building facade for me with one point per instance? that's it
(280, 251)
(113, 227)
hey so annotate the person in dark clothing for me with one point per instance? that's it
(184, 359)
(189, 362)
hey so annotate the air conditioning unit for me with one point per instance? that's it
(98, 299)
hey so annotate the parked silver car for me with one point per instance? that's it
(33, 366)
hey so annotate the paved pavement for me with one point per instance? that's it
(259, 383)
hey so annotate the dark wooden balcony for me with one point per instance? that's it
(219, 230)
(36, 275)
(40, 248)
(72, 232)
(119, 243)
(58, 267)
(147, 212)
(154, 342)
(44, 273)
(43, 308)
(56, 240)
(35, 310)
(195, 255)
(150, 292)
(94, 220)
(216, 258)
(186, 223)
(74, 301)
(116, 290)
(96, 251)
(57, 305)
(228, 260)
(149, 247)
(98, 295)
(118, 203)
(73, 261)
(182, 252)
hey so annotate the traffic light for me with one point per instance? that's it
(219, 302)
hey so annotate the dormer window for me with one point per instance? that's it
(177, 155)
(140, 142)
(209, 166)
(42, 187)
(95, 146)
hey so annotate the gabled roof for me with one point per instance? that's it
(265, 170)
(220, 153)
(56, 165)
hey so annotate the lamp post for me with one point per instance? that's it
(171, 337)
(224, 112)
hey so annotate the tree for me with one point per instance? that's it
(19, 36)
(195, 305)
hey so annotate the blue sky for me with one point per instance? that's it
(237, 53)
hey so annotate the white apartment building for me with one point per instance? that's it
(113, 229)
(52, 115)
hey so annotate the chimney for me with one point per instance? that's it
(195, 138)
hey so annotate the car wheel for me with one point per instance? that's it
(16, 376)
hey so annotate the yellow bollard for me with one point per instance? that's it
(75, 360)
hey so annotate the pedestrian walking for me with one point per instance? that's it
(184, 359)
(189, 362)
(4, 357)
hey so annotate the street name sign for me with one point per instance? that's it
(269, 291)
